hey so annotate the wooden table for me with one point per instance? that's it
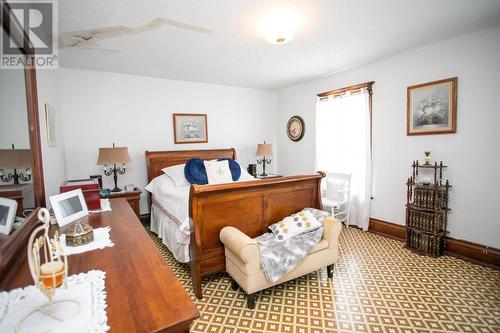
(143, 294)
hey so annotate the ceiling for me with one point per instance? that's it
(334, 35)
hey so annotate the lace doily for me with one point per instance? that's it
(88, 289)
(101, 240)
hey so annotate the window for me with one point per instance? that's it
(343, 143)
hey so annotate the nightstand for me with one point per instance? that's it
(133, 198)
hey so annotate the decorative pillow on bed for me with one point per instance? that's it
(195, 172)
(295, 224)
(244, 174)
(157, 183)
(176, 173)
(218, 172)
(234, 167)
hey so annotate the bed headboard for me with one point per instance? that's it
(157, 160)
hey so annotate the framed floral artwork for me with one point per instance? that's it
(190, 128)
(432, 108)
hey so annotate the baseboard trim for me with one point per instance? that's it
(489, 256)
(387, 229)
(477, 253)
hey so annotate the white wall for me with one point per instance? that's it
(135, 111)
(54, 167)
(473, 153)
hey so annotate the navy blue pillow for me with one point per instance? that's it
(234, 167)
(195, 172)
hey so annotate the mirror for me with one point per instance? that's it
(16, 176)
(19, 126)
(21, 172)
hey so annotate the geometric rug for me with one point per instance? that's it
(377, 286)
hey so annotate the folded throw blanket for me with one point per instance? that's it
(279, 257)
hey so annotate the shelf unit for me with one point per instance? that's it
(427, 210)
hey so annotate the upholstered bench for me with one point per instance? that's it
(243, 259)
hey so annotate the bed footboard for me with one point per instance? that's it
(249, 206)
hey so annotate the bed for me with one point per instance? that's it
(251, 206)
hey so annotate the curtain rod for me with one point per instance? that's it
(367, 85)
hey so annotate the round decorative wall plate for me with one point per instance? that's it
(295, 128)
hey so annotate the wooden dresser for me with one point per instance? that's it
(143, 294)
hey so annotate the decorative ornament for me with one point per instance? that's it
(79, 234)
(49, 269)
(427, 157)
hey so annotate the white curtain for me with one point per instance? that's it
(343, 145)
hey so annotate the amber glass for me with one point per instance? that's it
(51, 274)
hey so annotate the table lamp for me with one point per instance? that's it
(15, 159)
(263, 150)
(114, 156)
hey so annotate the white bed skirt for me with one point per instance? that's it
(166, 229)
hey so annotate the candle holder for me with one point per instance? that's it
(15, 159)
(48, 266)
(427, 157)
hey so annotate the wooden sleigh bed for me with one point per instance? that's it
(249, 206)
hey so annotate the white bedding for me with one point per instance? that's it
(174, 227)
(175, 200)
(166, 229)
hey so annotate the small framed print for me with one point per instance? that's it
(432, 108)
(190, 128)
(50, 125)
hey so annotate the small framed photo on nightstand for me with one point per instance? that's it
(129, 188)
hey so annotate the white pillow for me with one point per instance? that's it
(294, 224)
(158, 183)
(244, 173)
(176, 173)
(218, 172)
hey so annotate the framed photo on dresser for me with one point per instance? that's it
(69, 206)
(190, 128)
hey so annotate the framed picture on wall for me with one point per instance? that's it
(432, 108)
(50, 125)
(190, 128)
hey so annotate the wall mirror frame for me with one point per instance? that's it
(13, 246)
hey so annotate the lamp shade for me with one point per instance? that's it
(113, 155)
(15, 158)
(264, 149)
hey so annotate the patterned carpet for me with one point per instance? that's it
(378, 286)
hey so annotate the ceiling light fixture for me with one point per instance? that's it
(279, 25)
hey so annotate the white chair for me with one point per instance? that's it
(336, 196)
